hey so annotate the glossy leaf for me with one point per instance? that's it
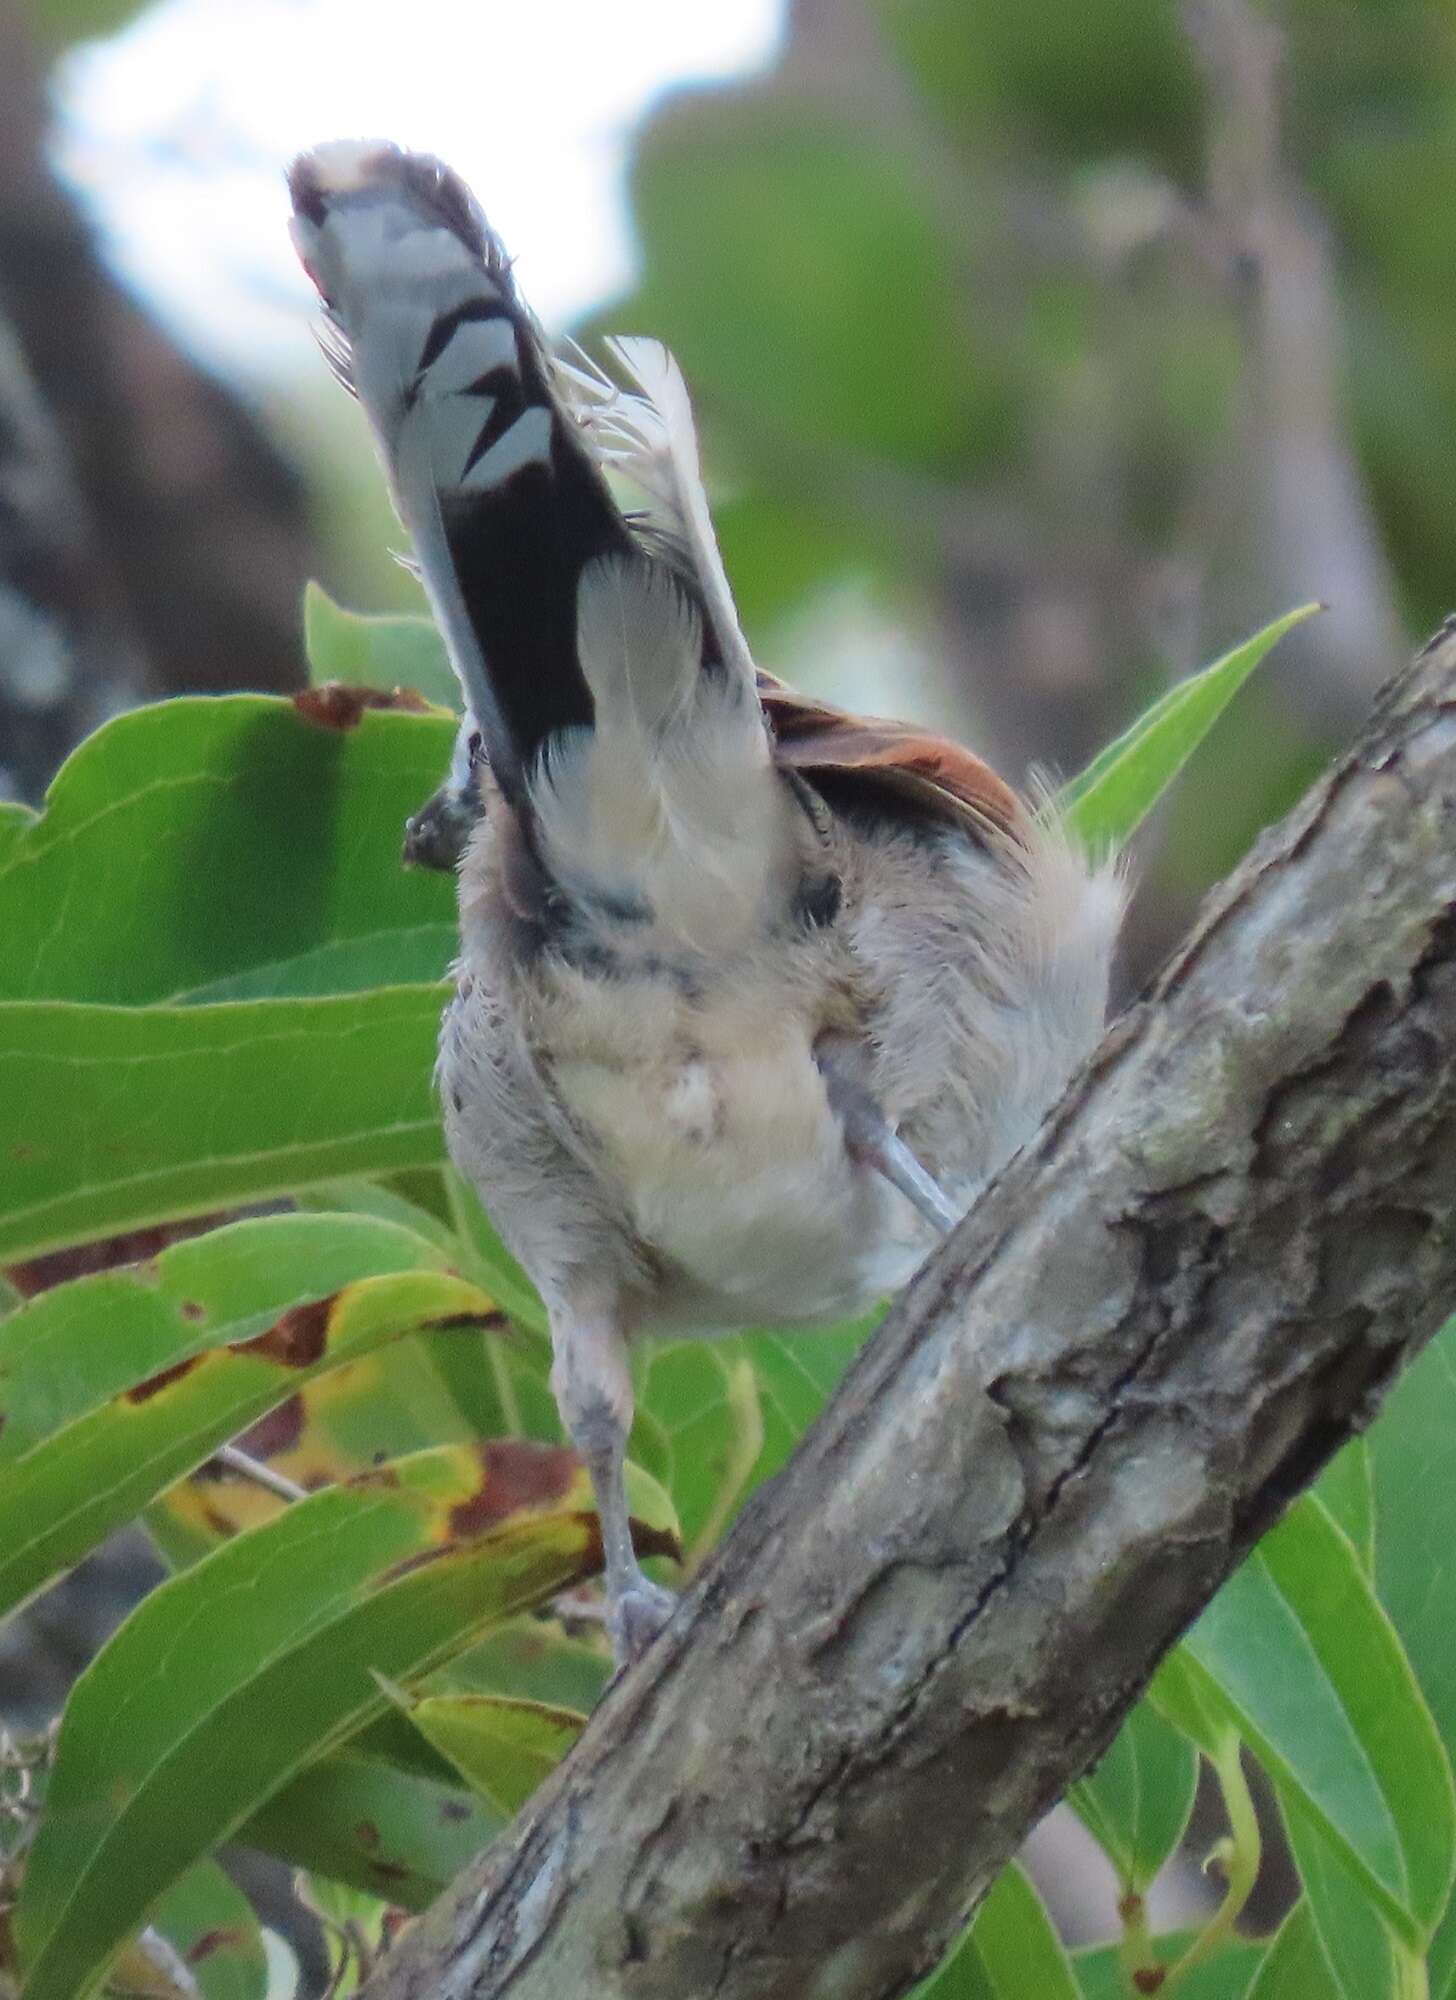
(1298, 1657)
(361, 1819)
(389, 650)
(1136, 1803)
(1105, 805)
(227, 848)
(1009, 1952)
(114, 1386)
(118, 1117)
(236, 1673)
(502, 1748)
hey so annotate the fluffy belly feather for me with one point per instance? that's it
(735, 1172)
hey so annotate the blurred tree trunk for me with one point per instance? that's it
(152, 539)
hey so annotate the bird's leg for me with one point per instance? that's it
(869, 1135)
(593, 1391)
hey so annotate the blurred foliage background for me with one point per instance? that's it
(1041, 354)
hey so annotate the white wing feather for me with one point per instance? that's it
(649, 438)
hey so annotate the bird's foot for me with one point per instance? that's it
(635, 1617)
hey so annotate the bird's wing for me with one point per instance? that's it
(900, 766)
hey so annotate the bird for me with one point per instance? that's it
(753, 995)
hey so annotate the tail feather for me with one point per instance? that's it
(670, 803)
(649, 437)
(503, 497)
(600, 653)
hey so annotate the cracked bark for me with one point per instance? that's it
(1146, 1338)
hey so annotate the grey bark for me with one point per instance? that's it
(1146, 1338)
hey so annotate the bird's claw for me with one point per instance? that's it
(635, 1617)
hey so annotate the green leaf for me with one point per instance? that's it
(210, 1923)
(1346, 1487)
(533, 1659)
(236, 1673)
(228, 848)
(357, 1926)
(59, 22)
(500, 1382)
(1101, 1975)
(392, 650)
(503, 1748)
(1296, 1654)
(1137, 1801)
(1010, 1951)
(699, 1430)
(397, 1399)
(1119, 788)
(796, 1374)
(1413, 1473)
(357, 1818)
(1294, 1968)
(119, 1117)
(198, 1344)
(1359, 1953)
(489, 1258)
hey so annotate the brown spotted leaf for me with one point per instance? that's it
(237, 1673)
(402, 1834)
(114, 1386)
(210, 1925)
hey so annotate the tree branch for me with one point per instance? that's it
(1146, 1338)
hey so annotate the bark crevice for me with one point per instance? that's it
(1150, 1334)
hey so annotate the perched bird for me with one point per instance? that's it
(753, 995)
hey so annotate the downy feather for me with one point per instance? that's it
(670, 800)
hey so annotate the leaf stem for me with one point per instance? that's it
(1239, 1853)
(1141, 1971)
